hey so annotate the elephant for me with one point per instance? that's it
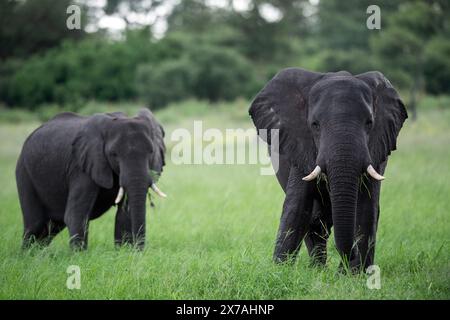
(73, 168)
(332, 134)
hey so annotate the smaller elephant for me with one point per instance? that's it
(72, 169)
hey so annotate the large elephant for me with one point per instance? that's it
(333, 130)
(73, 168)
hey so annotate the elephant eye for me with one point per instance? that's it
(315, 125)
(369, 124)
(113, 154)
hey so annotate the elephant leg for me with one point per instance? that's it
(317, 236)
(43, 234)
(366, 226)
(35, 218)
(82, 195)
(123, 232)
(54, 227)
(35, 232)
(295, 218)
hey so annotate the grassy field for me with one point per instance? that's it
(213, 237)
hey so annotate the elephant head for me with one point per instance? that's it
(123, 153)
(336, 124)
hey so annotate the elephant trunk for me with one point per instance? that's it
(137, 195)
(135, 182)
(347, 158)
(343, 182)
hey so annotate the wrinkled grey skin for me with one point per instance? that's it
(70, 170)
(343, 123)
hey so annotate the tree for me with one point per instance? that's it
(343, 39)
(269, 40)
(28, 27)
(401, 48)
(124, 9)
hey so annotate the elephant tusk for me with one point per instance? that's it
(119, 195)
(157, 191)
(374, 174)
(313, 174)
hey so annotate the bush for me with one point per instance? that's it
(167, 82)
(437, 66)
(76, 72)
(157, 72)
(47, 111)
(8, 115)
(204, 73)
(222, 74)
(352, 60)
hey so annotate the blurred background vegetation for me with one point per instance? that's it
(160, 52)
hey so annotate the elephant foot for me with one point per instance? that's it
(284, 258)
(129, 243)
(78, 245)
(318, 263)
(350, 269)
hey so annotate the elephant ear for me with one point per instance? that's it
(389, 116)
(88, 149)
(283, 105)
(157, 132)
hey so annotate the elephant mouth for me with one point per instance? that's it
(317, 170)
(149, 181)
(153, 186)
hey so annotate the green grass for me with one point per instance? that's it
(213, 237)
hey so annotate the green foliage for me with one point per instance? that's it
(215, 53)
(400, 49)
(221, 74)
(343, 24)
(406, 49)
(203, 72)
(167, 82)
(437, 66)
(352, 60)
(76, 72)
(434, 102)
(28, 27)
(16, 115)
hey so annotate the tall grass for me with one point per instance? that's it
(213, 236)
